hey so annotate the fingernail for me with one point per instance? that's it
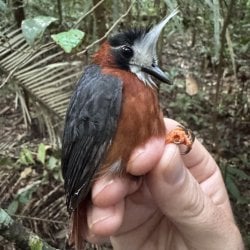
(100, 185)
(99, 214)
(135, 155)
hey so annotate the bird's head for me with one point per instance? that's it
(135, 50)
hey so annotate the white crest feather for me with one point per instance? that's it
(145, 50)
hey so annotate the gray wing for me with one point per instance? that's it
(91, 122)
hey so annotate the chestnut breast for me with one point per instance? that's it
(140, 119)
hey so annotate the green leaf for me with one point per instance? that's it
(41, 154)
(13, 206)
(34, 28)
(232, 188)
(26, 157)
(25, 194)
(3, 6)
(69, 40)
(52, 163)
(35, 242)
(238, 172)
(22, 159)
(243, 200)
(57, 175)
(5, 219)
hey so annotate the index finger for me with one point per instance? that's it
(205, 170)
(199, 162)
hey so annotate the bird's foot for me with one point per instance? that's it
(181, 135)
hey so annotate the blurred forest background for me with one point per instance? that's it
(44, 46)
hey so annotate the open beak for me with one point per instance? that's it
(157, 72)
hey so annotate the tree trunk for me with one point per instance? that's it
(100, 19)
(18, 12)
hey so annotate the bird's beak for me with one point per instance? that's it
(148, 45)
(157, 72)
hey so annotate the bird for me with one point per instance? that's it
(113, 110)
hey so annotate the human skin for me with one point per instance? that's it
(179, 202)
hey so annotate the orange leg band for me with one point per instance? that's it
(181, 135)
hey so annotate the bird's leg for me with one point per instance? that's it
(181, 135)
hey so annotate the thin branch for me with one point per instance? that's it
(222, 47)
(108, 32)
(23, 237)
(37, 219)
(232, 55)
(59, 10)
(226, 22)
(87, 13)
(12, 50)
(9, 76)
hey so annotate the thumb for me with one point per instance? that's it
(174, 189)
(180, 198)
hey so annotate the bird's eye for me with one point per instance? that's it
(127, 51)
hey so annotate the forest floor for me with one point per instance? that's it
(34, 194)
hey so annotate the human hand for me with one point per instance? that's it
(179, 202)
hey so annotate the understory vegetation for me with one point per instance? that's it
(44, 47)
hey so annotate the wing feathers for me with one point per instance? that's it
(90, 124)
